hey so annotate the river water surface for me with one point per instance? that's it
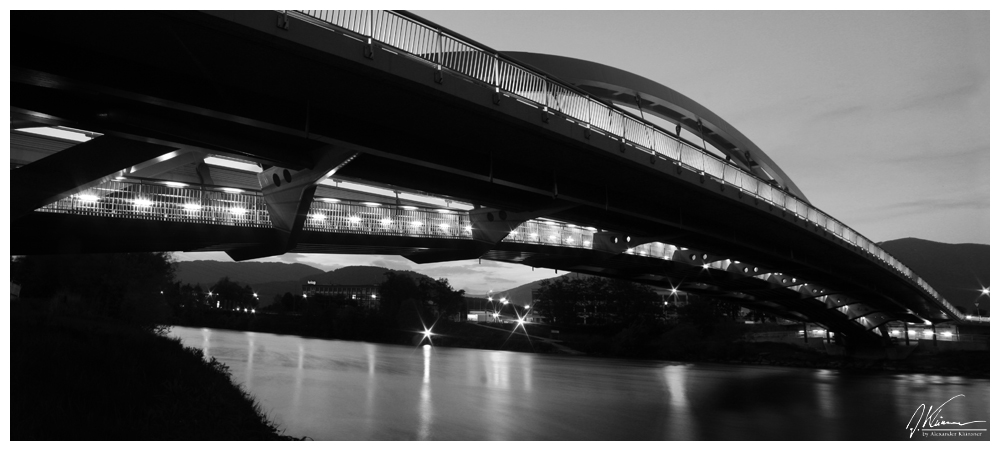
(343, 390)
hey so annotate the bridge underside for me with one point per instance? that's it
(234, 84)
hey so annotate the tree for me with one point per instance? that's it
(596, 300)
(632, 301)
(231, 295)
(558, 300)
(444, 299)
(124, 287)
(398, 297)
(706, 314)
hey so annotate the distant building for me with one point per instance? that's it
(365, 295)
(484, 309)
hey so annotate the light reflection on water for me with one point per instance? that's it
(339, 390)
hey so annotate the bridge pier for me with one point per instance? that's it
(288, 194)
(491, 225)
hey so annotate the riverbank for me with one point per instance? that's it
(75, 378)
(897, 359)
(680, 342)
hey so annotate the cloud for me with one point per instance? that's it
(933, 155)
(499, 280)
(391, 262)
(287, 258)
(448, 270)
(193, 256)
(938, 204)
(837, 113)
(940, 99)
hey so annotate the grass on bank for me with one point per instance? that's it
(90, 379)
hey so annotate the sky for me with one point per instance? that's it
(880, 117)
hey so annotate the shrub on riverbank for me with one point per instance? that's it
(91, 379)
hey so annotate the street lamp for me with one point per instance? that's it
(489, 303)
(503, 303)
(985, 292)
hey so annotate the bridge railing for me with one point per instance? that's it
(156, 201)
(551, 233)
(375, 219)
(450, 51)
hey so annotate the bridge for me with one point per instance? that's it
(234, 131)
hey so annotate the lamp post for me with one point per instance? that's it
(489, 302)
(985, 292)
(503, 303)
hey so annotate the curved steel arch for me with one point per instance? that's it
(618, 86)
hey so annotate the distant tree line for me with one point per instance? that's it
(405, 304)
(596, 301)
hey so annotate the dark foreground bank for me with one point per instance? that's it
(90, 379)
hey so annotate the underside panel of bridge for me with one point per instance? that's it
(71, 170)
(234, 83)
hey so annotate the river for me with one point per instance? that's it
(343, 390)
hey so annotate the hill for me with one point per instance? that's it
(207, 272)
(957, 271)
(521, 295)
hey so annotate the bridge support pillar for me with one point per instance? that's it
(617, 242)
(906, 332)
(934, 334)
(492, 225)
(288, 194)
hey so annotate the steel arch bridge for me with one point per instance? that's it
(554, 173)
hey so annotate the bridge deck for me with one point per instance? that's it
(461, 122)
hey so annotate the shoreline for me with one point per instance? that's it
(773, 354)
